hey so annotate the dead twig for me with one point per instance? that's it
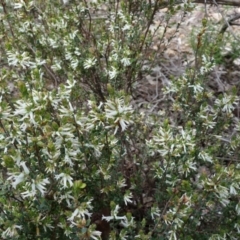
(230, 22)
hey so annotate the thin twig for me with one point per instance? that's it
(229, 22)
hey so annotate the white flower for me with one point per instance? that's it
(187, 167)
(79, 212)
(237, 208)
(205, 156)
(22, 107)
(123, 235)
(126, 27)
(226, 103)
(5, 112)
(197, 88)
(25, 168)
(74, 63)
(26, 109)
(115, 211)
(107, 218)
(65, 180)
(233, 188)
(65, 2)
(237, 226)
(19, 5)
(11, 231)
(118, 111)
(90, 62)
(155, 211)
(19, 177)
(66, 196)
(68, 160)
(126, 62)
(104, 172)
(56, 65)
(121, 183)
(112, 74)
(95, 235)
(126, 223)
(127, 197)
(15, 59)
(36, 185)
(223, 194)
(30, 193)
(114, 214)
(41, 185)
(173, 235)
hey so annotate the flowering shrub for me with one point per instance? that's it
(78, 161)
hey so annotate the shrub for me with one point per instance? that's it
(79, 161)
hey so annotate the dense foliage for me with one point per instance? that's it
(78, 160)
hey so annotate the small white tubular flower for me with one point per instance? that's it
(127, 197)
(122, 123)
(90, 62)
(227, 103)
(19, 5)
(237, 209)
(67, 159)
(207, 65)
(5, 111)
(127, 223)
(96, 235)
(11, 231)
(155, 212)
(70, 85)
(187, 167)
(223, 194)
(205, 156)
(17, 178)
(65, 180)
(107, 218)
(74, 63)
(126, 27)
(18, 59)
(30, 193)
(119, 112)
(39, 185)
(65, 111)
(25, 168)
(115, 211)
(121, 183)
(22, 107)
(65, 2)
(237, 227)
(172, 235)
(81, 212)
(125, 61)
(26, 110)
(197, 88)
(114, 215)
(67, 197)
(113, 73)
(234, 188)
(104, 172)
